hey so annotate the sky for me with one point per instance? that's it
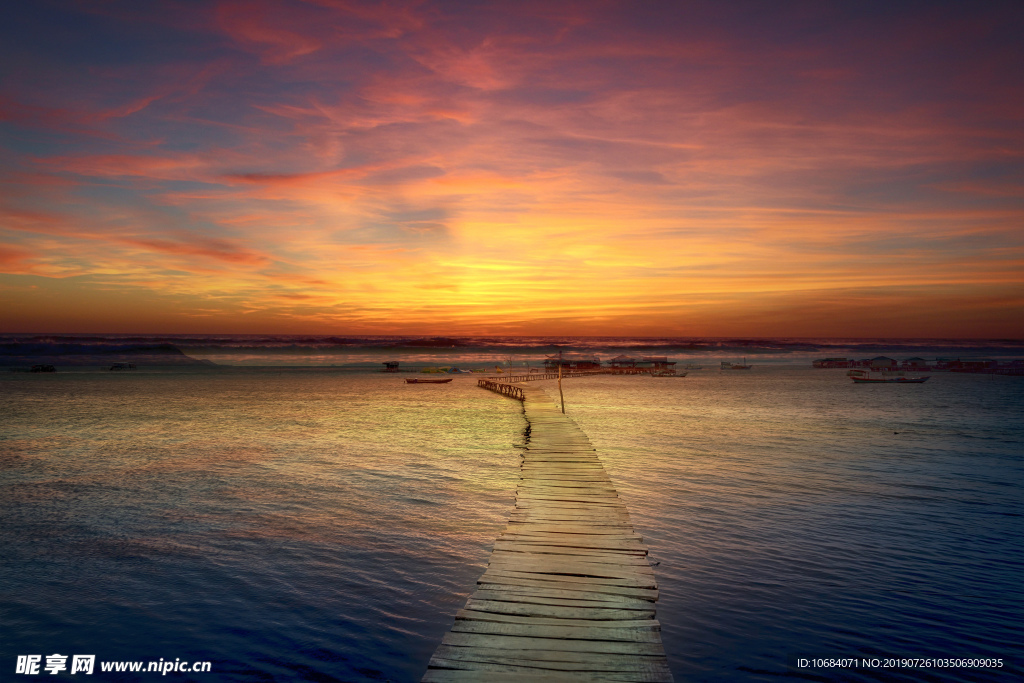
(794, 169)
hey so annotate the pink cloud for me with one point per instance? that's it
(15, 259)
(191, 245)
(166, 167)
(257, 26)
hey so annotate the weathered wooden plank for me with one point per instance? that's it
(540, 530)
(557, 612)
(545, 645)
(500, 618)
(505, 567)
(639, 581)
(576, 484)
(589, 526)
(475, 676)
(561, 582)
(578, 599)
(535, 674)
(560, 601)
(559, 661)
(563, 491)
(545, 548)
(572, 590)
(528, 675)
(588, 569)
(604, 516)
(634, 634)
(577, 541)
(572, 555)
(527, 516)
(567, 555)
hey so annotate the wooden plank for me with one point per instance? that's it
(500, 618)
(557, 582)
(544, 645)
(522, 675)
(535, 674)
(582, 526)
(595, 519)
(523, 609)
(576, 541)
(605, 516)
(638, 635)
(599, 558)
(588, 569)
(559, 661)
(548, 549)
(577, 598)
(571, 590)
(493, 573)
(561, 601)
(539, 530)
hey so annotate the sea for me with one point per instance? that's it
(282, 509)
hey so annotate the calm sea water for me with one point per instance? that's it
(325, 525)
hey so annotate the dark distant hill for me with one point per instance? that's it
(76, 354)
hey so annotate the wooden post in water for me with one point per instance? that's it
(560, 386)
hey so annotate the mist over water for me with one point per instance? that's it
(325, 524)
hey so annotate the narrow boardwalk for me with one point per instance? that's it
(568, 594)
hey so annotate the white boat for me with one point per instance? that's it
(864, 377)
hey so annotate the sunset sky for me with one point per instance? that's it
(640, 168)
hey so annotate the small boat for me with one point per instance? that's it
(422, 380)
(862, 377)
(726, 365)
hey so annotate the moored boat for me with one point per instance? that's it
(862, 377)
(421, 380)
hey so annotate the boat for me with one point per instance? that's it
(423, 380)
(862, 377)
(726, 365)
(668, 373)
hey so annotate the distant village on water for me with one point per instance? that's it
(884, 363)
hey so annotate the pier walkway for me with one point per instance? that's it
(568, 594)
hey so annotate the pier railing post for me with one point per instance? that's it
(560, 395)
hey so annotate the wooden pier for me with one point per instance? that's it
(534, 376)
(503, 388)
(568, 594)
